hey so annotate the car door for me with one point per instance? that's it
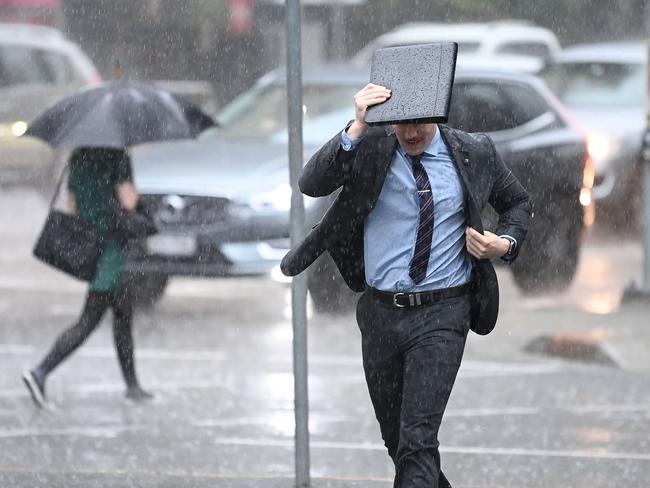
(545, 155)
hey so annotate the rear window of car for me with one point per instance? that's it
(526, 48)
(596, 84)
(23, 65)
(493, 107)
(58, 67)
(20, 66)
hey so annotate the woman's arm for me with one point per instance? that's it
(72, 203)
(127, 195)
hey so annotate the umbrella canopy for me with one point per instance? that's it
(118, 114)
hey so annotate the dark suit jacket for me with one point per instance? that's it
(361, 173)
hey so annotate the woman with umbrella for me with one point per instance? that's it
(98, 175)
(101, 123)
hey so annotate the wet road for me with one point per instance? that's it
(217, 354)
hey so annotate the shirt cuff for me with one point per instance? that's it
(348, 144)
(511, 252)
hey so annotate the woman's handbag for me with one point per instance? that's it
(67, 242)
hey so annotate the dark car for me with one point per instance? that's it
(222, 201)
(603, 85)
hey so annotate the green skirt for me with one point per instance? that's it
(108, 276)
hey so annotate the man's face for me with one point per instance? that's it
(415, 138)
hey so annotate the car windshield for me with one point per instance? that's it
(261, 113)
(581, 85)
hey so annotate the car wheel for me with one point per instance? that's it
(549, 261)
(147, 288)
(327, 288)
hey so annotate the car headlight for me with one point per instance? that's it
(15, 129)
(278, 199)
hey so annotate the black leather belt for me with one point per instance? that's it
(416, 299)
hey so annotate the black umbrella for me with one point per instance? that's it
(118, 114)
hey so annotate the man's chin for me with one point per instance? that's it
(413, 150)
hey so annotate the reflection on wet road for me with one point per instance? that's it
(218, 355)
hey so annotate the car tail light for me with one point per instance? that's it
(589, 167)
(589, 173)
(586, 198)
(598, 145)
(95, 79)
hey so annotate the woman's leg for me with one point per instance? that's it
(94, 308)
(123, 336)
(72, 338)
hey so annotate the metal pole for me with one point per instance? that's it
(634, 293)
(299, 283)
(338, 31)
(645, 287)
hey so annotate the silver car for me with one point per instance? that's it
(222, 201)
(38, 65)
(603, 85)
(480, 40)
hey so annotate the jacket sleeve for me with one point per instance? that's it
(327, 170)
(511, 201)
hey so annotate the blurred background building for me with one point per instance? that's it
(222, 40)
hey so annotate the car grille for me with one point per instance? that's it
(185, 211)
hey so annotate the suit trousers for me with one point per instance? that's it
(410, 358)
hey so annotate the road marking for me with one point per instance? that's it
(113, 431)
(487, 368)
(109, 352)
(18, 284)
(108, 387)
(285, 480)
(610, 408)
(477, 450)
(489, 412)
(105, 432)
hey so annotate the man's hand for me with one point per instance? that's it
(369, 95)
(486, 245)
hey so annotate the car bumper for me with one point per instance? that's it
(208, 258)
(617, 189)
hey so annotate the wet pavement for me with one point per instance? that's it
(218, 356)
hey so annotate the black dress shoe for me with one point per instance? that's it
(35, 383)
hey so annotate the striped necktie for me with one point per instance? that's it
(420, 261)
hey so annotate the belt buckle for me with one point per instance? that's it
(395, 297)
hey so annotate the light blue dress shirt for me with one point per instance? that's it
(391, 228)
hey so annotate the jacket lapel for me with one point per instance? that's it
(461, 159)
(385, 151)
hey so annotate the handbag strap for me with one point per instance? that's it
(58, 185)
